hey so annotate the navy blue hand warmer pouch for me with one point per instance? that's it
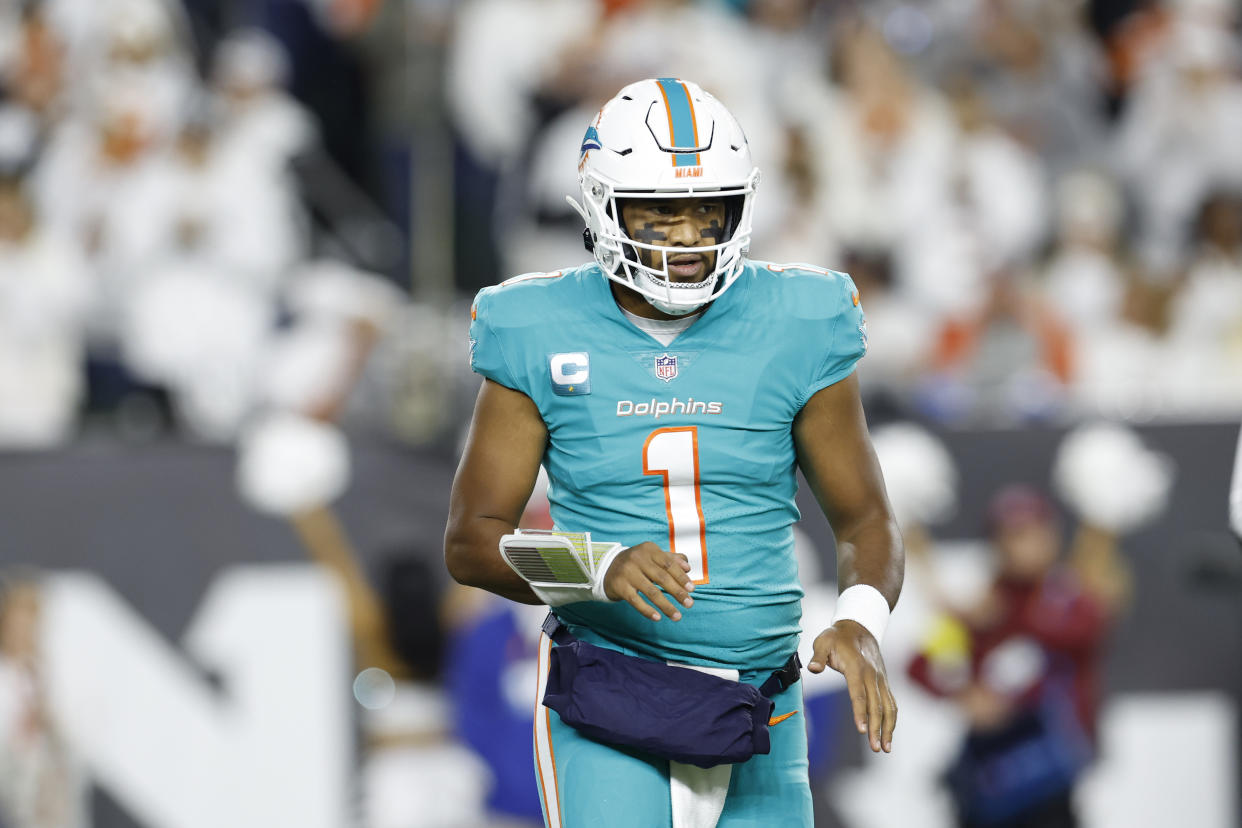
(673, 712)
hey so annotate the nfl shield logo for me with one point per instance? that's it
(666, 367)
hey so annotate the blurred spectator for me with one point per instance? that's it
(141, 52)
(1010, 361)
(922, 479)
(1205, 315)
(43, 299)
(1097, 291)
(1085, 276)
(199, 333)
(1134, 39)
(258, 120)
(104, 157)
(213, 340)
(1176, 138)
(825, 698)
(898, 328)
(232, 206)
(490, 670)
(338, 316)
(1024, 664)
(1042, 73)
(889, 152)
(415, 772)
(492, 100)
(1000, 184)
(19, 140)
(799, 195)
(792, 46)
(40, 786)
(32, 63)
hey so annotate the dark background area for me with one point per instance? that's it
(161, 521)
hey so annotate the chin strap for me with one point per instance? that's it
(671, 310)
(588, 241)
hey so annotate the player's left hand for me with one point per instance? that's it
(849, 649)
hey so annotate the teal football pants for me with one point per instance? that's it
(586, 784)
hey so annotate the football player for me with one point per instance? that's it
(672, 389)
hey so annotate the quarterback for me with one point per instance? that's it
(672, 388)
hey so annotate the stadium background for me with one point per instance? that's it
(237, 245)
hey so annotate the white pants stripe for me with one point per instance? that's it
(545, 764)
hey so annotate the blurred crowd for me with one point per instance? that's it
(1038, 201)
(1041, 203)
(162, 263)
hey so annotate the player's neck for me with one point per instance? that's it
(633, 302)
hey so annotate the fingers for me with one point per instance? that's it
(670, 577)
(858, 697)
(655, 596)
(635, 599)
(890, 718)
(874, 709)
(644, 575)
(875, 713)
(821, 649)
(881, 710)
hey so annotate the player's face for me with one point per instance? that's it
(1029, 549)
(679, 224)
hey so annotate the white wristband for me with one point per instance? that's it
(863, 603)
(601, 569)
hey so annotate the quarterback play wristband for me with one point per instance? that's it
(561, 567)
(863, 604)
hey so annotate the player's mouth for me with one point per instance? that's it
(687, 267)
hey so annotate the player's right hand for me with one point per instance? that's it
(646, 573)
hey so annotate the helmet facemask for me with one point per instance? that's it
(617, 251)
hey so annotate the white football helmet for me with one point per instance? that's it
(665, 138)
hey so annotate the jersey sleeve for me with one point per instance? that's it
(487, 347)
(841, 336)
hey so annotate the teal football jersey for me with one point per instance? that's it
(689, 445)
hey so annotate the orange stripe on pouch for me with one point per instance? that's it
(775, 720)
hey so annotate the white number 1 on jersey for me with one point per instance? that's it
(674, 453)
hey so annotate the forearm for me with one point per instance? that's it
(472, 554)
(498, 470)
(870, 551)
(835, 454)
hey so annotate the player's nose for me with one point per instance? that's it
(683, 233)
